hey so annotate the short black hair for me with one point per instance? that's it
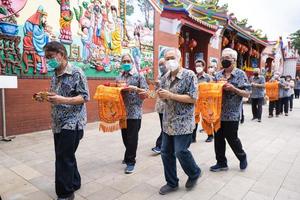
(57, 47)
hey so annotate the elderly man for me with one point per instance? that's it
(159, 106)
(179, 92)
(202, 78)
(234, 91)
(257, 94)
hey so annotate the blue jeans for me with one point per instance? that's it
(177, 146)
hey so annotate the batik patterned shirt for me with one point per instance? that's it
(178, 118)
(231, 102)
(204, 78)
(132, 101)
(69, 84)
(258, 92)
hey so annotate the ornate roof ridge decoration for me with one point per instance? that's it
(210, 13)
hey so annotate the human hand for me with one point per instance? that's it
(164, 94)
(229, 87)
(56, 99)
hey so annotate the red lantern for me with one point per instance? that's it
(238, 46)
(181, 40)
(225, 41)
(193, 44)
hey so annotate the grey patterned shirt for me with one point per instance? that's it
(231, 102)
(204, 78)
(258, 92)
(133, 102)
(70, 84)
(179, 117)
(283, 88)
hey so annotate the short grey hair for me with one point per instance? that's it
(176, 50)
(129, 55)
(230, 53)
(161, 60)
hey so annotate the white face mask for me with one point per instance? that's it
(199, 70)
(172, 65)
(211, 70)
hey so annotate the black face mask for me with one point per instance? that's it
(226, 63)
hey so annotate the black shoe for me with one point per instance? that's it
(259, 120)
(209, 138)
(167, 189)
(254, 118)
(77, 187)
(72, 197)
(243, 164)
(190, 183)
(218, 167)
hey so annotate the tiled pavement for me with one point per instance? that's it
(273, 147)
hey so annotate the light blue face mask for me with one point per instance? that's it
(127, 67)
(53, 63)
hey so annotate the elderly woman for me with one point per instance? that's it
(133, 97)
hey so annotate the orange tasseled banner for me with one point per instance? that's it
(209, 106)
(272, 90)
(111, 108)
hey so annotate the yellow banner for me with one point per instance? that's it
(111, 108)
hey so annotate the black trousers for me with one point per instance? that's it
(291, 101)
(159, 139)
(274, 105)
(284, 106)
(194, 134)
(228, 131)
(257, 104)
(130, 137)
(297, 92)
(67, 177)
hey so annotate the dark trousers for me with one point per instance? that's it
(284, 105)
(159, 139)
(228, 131)
(291, 101)
(297, 92)
(177, 146)
(257, 104)
(274, 105)
(67, 177)
(130, 137)
(194, 134)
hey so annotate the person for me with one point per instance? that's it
(297, 87)
(133, 97)
(291, 93)
(159, 106)
(212, 69)
(284, 95)
(257, 94)
(69, 93)
(202, 78)
(274, 104)
(179, 92)
(236, 87)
